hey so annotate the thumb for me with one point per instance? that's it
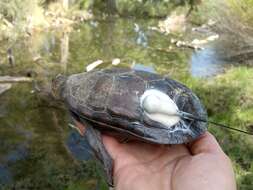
(205, 144)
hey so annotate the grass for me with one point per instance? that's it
(243, 9)
(228, 99)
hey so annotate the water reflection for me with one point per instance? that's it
(5, 175)
(141, 38)
(141, 67)
(206, 63)
(78, 146)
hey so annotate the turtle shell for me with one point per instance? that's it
(110, 100)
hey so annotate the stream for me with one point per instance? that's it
(38, 150)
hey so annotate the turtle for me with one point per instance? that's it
(130, 104)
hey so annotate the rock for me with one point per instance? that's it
(173, 23)
(212, 37)
(206, 40)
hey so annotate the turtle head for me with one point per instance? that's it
(58, 84)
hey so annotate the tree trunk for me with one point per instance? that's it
(65, 4)
(111, 6)
(64, 50)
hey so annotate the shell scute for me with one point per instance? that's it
(124, 96)
(98, 96)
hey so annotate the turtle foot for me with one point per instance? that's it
(94, 139)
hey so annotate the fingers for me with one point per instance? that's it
(205, 144)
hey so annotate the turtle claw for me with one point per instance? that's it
(94, 139)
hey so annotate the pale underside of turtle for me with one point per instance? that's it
(110, 100)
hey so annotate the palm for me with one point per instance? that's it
(145, 166)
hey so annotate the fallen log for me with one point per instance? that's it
(12, 79)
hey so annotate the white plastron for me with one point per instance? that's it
(159, 107)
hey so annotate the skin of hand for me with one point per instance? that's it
(199, 165)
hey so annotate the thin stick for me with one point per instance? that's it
(224, 126)
(192, 117)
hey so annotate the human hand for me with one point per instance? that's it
(199, 165)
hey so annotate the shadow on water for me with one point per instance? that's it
(34, 137)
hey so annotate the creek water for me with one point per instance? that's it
(37, 148)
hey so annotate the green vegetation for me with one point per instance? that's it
(242, 8)
(23, 18)
(40, 34)
(135, 8)
(229, 99)
(144, 8)
(234, 23)
(19, 19)
(18, 16)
